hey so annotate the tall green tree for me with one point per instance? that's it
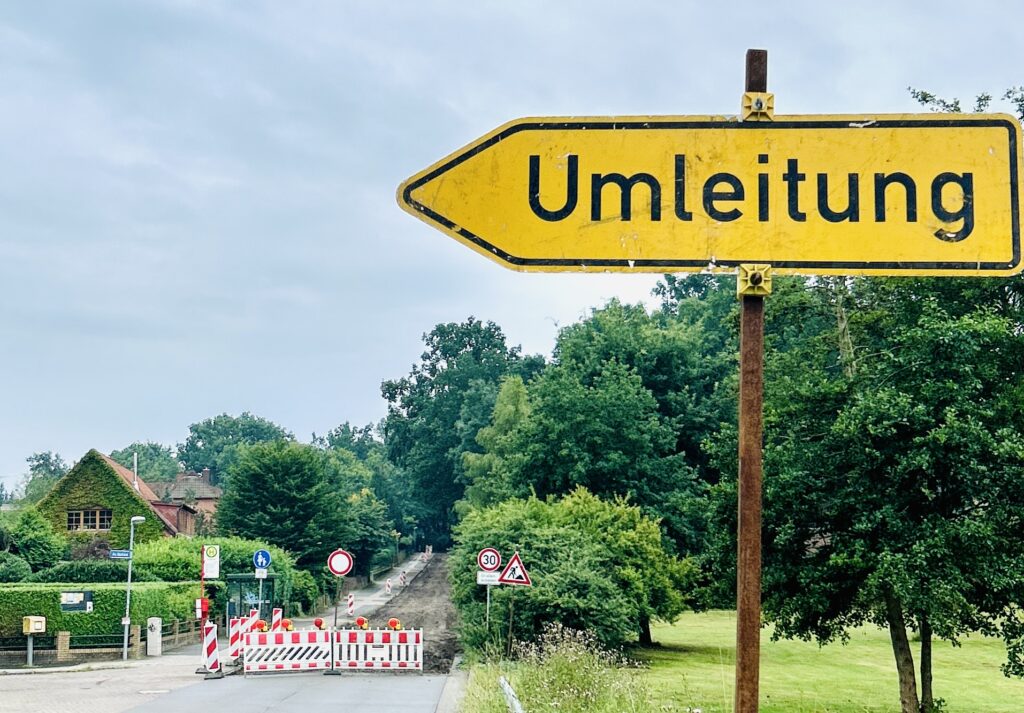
(280, 492)
(893, 464)
(44, 470)
(421, 430)
(157, 462)
(214, 442)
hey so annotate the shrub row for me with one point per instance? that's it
(169, 600)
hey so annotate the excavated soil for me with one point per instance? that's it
(426, 604)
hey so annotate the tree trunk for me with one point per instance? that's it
(927, 699)
(645, 631)
(901, 650)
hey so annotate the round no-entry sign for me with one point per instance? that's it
(339, 562)
(488, 559)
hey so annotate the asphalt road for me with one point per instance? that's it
(305, 693)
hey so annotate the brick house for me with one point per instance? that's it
(99, 496)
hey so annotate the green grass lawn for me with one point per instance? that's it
(694, 666)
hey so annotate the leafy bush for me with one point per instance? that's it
(92, 571)
(34, 540)
(178, 559)
(596, 565)
(169, 600)
(304, 590)
(13, 568)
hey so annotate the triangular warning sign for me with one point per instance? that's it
(515, 573)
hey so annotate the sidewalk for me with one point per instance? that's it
(370, 598)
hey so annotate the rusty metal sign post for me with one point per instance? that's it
(753, 284)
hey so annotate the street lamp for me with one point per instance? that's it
(128, 590)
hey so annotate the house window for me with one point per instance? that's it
(95, 519)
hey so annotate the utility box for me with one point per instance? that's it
(33, 625)
(154, 636)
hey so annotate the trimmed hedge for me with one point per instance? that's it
(92, 571)
(178, 559)
(169, 600)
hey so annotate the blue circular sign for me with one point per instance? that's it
(261, 560)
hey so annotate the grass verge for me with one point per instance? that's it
(693, 669)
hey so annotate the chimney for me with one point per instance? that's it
(135, 469)
(206, 475)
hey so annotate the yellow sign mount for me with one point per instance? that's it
(918, 194)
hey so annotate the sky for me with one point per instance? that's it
(197, 198)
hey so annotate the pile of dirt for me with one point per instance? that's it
(426, 604)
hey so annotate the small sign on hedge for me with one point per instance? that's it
(76, 602)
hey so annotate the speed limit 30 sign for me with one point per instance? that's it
(488, 560)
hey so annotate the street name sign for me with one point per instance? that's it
(897, 194)
(120, 554)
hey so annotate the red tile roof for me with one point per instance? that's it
(144, 490)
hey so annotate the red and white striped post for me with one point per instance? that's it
(211, 656)
(351, 604)
(254, 615)
(234, 638)
(387, 586)
(401, 578)
(275, 619)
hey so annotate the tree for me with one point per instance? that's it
(893, 467)
(214, 443)
(421, 430)
(280, 492)
(34, 540)
(44, 470)
(605, 435)
(157, 463)
(488, 477)
(360, 440)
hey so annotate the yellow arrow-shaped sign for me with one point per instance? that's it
(932, 194)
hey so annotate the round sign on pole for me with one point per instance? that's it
(339, 562)
(261, 559)
(488, 559)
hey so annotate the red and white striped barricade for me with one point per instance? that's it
(211, 655)
(287, 651)
(275, 619)
(351, 604)
(401, 578)
(374, 649)
(254, 616)
(387, 586)
(235, 637)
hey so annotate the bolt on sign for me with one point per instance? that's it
(928, 194)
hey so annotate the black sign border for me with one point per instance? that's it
(796, 265)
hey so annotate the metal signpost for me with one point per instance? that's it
(127, 620)
(261, 561)
(339, 563)
(488, 561)
(753, 195)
